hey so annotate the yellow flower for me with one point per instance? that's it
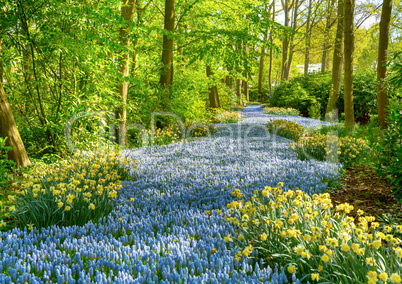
(30, 226)
(307, 238)
(320, 268)
(355, 247)
(372, 274)
(360, 251)
(395, 278)
(383, 276)
(91, 206)
(263, 237)
(214, 250)
(370, 261)
(325, 258)
(67, 208)
(132, 199)
(2, 224)
(240, 237)
(228, 239)
(345, 248)
(377, 244)
(315, 276)
(291, 269)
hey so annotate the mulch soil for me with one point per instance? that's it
(365, 190)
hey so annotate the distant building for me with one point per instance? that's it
(311, 68)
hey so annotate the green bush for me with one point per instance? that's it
(319, 244)
(222, 116)
(293, 95)
(285, 128)
(389, 148)
(80, 191)
(5, 164)
(281, 111)
(346, 150)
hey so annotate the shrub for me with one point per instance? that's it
(305, 236)
(285, 128)
(346, 150)
(228, 116)
(293, 95)
(281, 111)
(389, 148)
(83, 190)
(5, 163)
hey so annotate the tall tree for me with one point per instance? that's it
(329, 22)
(382, 90)
(213, 91)
(292, 39)
(8, 129)
(271, 41)
(167, 52)
(348, 72)
(287, 5)
(337, 61)
(308, 37)
(127, 13)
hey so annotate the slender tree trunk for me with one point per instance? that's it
(326, 45)
(127, 13)
(308, 40)
(291, 45)
(285, 45)
(8, 129)
(228, 81)
(1, 61)
(167, 52)
(245, 86)
(349, 50)
(271, 40)
(337, 62)
(382, 88)
(238, 90)
(213, 91)
(261, 70)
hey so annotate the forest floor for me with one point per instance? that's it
(365, 190)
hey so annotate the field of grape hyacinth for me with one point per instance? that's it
(169, 226)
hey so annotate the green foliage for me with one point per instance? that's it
(73, 194)
(389, 147)
(281, 111)
(346, 150)
(5, 164)
(364, 96)
(293, 95)
(222, 116)
(308, 238)
(395, 69)
(285, 128)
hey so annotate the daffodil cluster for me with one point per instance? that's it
(285, 128)
(311, 238)
(346, 150)
(71, 195)
(223, 116)
(281, 111)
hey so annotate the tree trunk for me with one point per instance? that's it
(337, 63)
(213, 91)
(127, 13)
(271, 40)
(8, 129)
(326, 45)
(167, 52)
(245, 86)
(285, 45)
(382, 88)
(291, 45)
(261, 74)
(1, 61)
(308, 41)
(238, 91)
(349, 50)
